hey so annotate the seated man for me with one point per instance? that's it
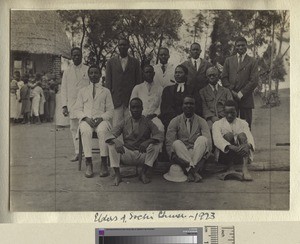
(213, 97)
(141, 145)
(233, 138)
(94, 108)
(188, 140)
(150, 93)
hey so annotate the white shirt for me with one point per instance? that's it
(150, 94)
(124, 62)
(164, 79)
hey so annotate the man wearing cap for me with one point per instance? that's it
(240, 75)
(150, 93)
(213, 97)
(74, 78)
(141, 142)
(94, 108)
(188, 140)
(122, 74)
(196, 68)
(164, 71)
(233, 139)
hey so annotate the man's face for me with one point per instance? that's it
(148, 74)
(136, 109)
(241, 47)
(76, 57)
(213, 76)
(123, 47)
(188, 107)
(94, 75)
(230, 113)
(17, 76)
(180, 76)
(195, 51)
(163, 56)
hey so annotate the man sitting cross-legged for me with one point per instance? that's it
(94, 108)
(141, 142)
(188, 140)
(232, 137)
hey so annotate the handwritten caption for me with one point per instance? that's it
(133, 216)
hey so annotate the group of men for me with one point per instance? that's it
(126, 113)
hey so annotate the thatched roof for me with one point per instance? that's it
(39, 32)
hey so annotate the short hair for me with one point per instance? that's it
(212, 68)
(136, 99)
(123, 39)
(241, 39)
(189, 96)
(76, 48)
(164, 48)
(149, 66)
(195, 43)
(185, 69)
(230, 103)
(94, 66)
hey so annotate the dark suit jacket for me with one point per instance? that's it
(213, 105)
(244, 79)
(120, 82)
(197, 78)
(177, 131)
(171, 103)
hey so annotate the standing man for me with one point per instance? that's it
(197, 68)
(150, 93)
(74, 78)
(213, 97)
(240, 75)
(164, 71)
(122, 74)
(94, 108)
(188, 140)
(142, 142)
(234, 142)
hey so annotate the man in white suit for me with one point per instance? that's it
(94, 108)
(188, 140)
(164, 71)
(233, 139)
(74, 78)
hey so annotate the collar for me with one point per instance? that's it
(191, 119)
(214, 87)
(243, 56)
(77, 66)
(126, 58)
(97, 85)
(197, 60)
(180, 87)
(149, 84)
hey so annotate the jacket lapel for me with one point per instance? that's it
(192, 65)
(244, 62)
(194, 126)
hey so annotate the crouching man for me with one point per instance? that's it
(232, 137)
(94, 108)
(141, 142)
(188, 140)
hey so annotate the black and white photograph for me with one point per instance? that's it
(149, 109)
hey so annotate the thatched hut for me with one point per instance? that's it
(38, 42)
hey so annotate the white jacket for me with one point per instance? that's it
(164, 78)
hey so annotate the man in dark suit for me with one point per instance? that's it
(197, 68)
(240, 75)
(213, 97)
(122, 74)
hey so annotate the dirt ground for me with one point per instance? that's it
(43, 179)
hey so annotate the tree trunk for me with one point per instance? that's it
(160, 44)
(272, 55)
(83, 31)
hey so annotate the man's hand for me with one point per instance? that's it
(97, 121)
(65, 111)
(119, 146)
(233, 148)
(151, 116)
(235, 95)
(143, 146)
(244, 150)
(89, 121)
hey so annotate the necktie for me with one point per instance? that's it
(163, 68)
(94, 91)
(195, 64)
(188, 125)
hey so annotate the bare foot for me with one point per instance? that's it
(198, 177)
(117, 180)
(144, 179)
(247, 176)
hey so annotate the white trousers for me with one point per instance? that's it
(120, 113)
(74, 123)
(133, 157)
(86, 136)
(35, 106)
(194, 155)
(159, 124)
